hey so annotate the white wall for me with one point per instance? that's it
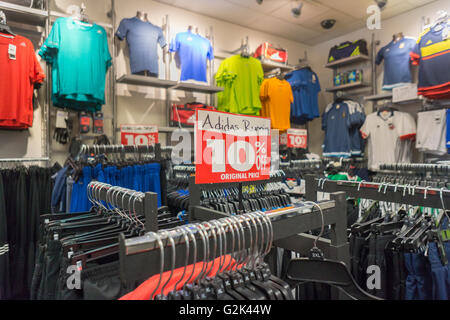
(409, 23)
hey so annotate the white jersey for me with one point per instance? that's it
(389, 135)
(432, 132)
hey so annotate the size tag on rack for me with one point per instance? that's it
(297, 138)
(12, 52)
(231, 148)
(133, 134)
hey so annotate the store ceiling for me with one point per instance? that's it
(274, 16)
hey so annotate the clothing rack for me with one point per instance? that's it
(140, 256)
(197, 212)
(137, 203)
(417, 167)
(403, 194)
(105, 149)
(25, 159)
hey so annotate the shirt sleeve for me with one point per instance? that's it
(37, 75)
(380, 56)
(106, 53)
(161, 39)
(365, 129)
(175, 44)
(415, 54)
(317, 83)
(407, 127)
(210, 54)
(259, 72)
(291, 95)
(51, 45)
(122, 31)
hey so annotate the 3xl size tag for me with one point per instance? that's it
(12, 52)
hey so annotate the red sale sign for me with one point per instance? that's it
(131, 134)
(231, 147)
(297, 138)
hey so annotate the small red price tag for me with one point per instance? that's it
(297, 138)
(138, 134)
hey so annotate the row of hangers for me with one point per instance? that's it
(92, 236)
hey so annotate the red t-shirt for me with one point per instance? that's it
(17, 79)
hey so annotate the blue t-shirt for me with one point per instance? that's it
(193, 50)
(305, 88)
(396, 55)
(336, 122)
(142, 38)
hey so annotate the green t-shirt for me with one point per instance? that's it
(80, 58)
(241, 78)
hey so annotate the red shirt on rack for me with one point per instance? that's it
(19, 72)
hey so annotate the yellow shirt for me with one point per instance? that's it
(276, 98)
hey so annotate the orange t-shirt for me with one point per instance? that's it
(276, 98)
(17, 80)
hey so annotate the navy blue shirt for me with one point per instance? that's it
(336, 122)
(193, 50)
(396, 57)
(305, 88)
(142, 38)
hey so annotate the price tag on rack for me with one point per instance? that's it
(297, 138)
(231, 148)
(131, 134)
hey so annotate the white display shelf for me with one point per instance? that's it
(23, 14)
(347, 61)
(349, 86)
(138, 80)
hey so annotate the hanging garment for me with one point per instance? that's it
(396, 56)
(21, 72)
(142, 38)
(306, 87)
(389, 137)
(336, 123)
(432, 132)
(143, 178)
(193, 51)
(432, 54)
(241, 78)
(80, 58)
(276, 98)
(24, 190)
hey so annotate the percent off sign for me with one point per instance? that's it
(231, 148)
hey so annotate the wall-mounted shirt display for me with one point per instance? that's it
(432, 53)
(80, 58)
(20, 71)
(432, 132)
(306, 87)
(143, 39)
(193, 51)
(389, 135)
(241, 78)
(276, 98)
(396, 56)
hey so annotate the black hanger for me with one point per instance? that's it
(4, 28)
(331, 272)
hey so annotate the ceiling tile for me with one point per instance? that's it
(283, 29)
(267, 6)
(308, 12)
(392, 10)
(341, 21)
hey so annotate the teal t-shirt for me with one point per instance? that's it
(80, 58)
